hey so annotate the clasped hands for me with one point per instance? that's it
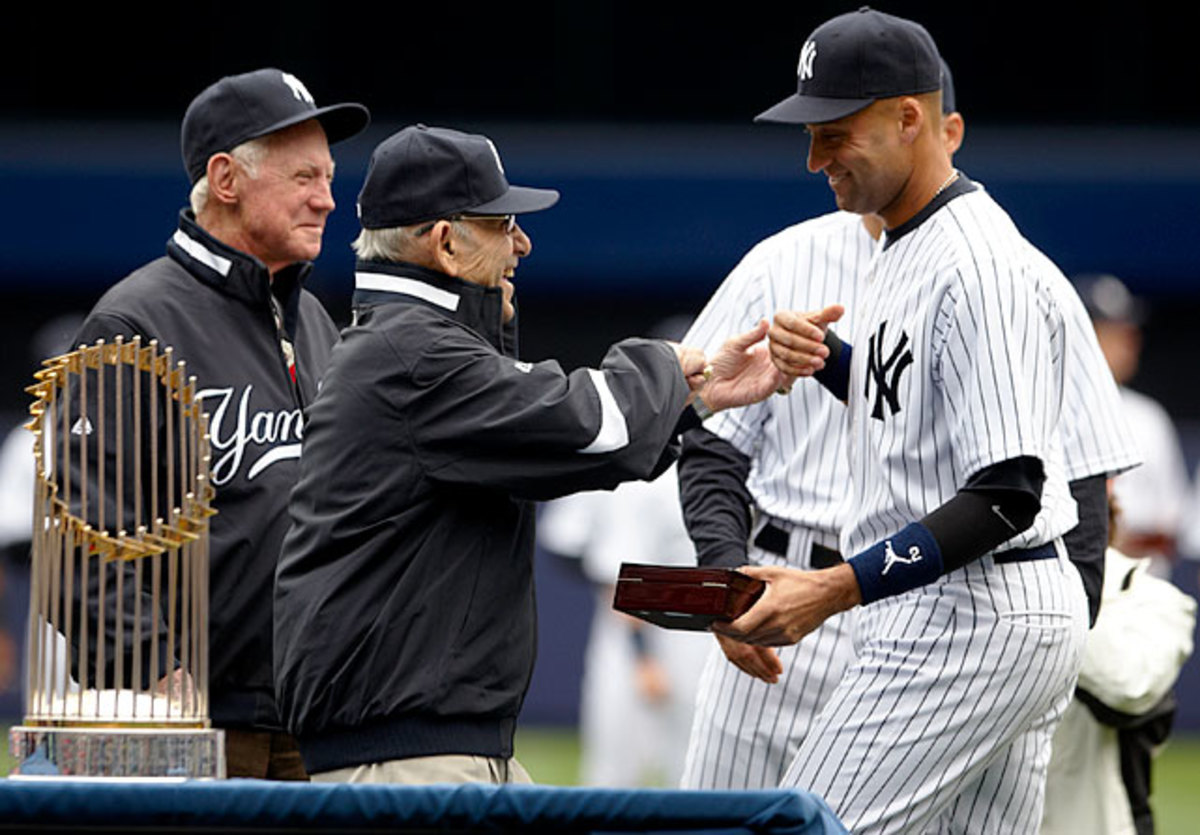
(795, 601)
(745, 371)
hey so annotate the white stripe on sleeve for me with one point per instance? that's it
(614, 432)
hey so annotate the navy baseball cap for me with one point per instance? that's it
(423, 173)
(242, 107)
(948, 103)
(854, 59)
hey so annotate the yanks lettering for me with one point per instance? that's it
(232, 433)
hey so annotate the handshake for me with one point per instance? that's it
(745, 370)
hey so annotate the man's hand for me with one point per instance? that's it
(795, 603)
(652, 682)
(177, 686)
(741, 372)
(692, 363)
(798, 340)
(760, 662)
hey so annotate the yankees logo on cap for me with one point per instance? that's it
(804, 69)
(854, 59)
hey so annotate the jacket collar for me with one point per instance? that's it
(231, 271)
(479, 308)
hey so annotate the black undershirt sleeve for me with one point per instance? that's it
(715, 501)
(996, 504)
(1087, 541)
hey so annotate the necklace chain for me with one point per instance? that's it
(953, 176)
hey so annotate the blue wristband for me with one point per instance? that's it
(908, 559)
(835, 376)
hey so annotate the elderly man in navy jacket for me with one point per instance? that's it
(228, 297)
(404, 605)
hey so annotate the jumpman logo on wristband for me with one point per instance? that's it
(890, 557)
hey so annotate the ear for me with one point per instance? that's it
(443, 249)
(222, 174)
(911, 118)
(953, 130)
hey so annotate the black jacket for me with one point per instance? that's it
(212, 304)
(404, 605)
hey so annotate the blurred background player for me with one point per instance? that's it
(1151, 497)
(639, 682)
(1099, 779)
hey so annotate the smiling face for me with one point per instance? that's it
(488, 254)
(281, 213)
(863, 157)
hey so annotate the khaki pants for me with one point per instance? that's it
(420, 771)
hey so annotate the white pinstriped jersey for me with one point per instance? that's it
(1097, 437)
(943, 721)
(747, 731)
(958, 364)
(796, 444)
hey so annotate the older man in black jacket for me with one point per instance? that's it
(404, 605)
(228, 297)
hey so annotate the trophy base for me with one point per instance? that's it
(108, 752)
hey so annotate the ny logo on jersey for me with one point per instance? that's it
(807, 54)
(890, 557)
(885, 374)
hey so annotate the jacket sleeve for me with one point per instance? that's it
(479, 418)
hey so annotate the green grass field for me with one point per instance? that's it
(552, 756)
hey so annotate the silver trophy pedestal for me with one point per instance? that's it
(77, 752)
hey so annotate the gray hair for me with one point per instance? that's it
(250, 155)
(396, 243)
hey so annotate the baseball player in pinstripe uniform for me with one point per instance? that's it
(972, 621)
(778, 471)
(753, 713)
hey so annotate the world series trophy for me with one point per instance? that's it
(117, 644)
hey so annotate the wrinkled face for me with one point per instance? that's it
(489, 253)
(282, 212)
(862, 157)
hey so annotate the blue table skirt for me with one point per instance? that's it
(249, 805)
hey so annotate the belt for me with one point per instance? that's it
(1037, 552)
(774, 540)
